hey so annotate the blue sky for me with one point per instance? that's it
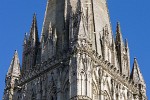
(16, 17)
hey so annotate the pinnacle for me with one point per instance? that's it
(136, 74)
(119, 34)
(118, 27)
(34, 16)
(118, 23)
(14, 69)
(34, 31)
(25, 38)
(135, 58)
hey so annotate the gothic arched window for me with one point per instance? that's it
(106, 96)
(95, 92)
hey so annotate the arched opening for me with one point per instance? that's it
(106, 96)
(94, 91)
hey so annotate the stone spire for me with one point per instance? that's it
(119, 39)
(101, 16)
(14, 69)
(114, 54)
(33, 38)
(121, 52)
(55, 15)
(127, 56)
(136, 74)
(137, 77)
(12, 77)
(31, 47)
(58, 13)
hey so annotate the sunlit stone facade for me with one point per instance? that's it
(76, 58)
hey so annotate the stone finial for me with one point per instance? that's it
(25, 41)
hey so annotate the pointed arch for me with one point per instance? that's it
(108, 87)
(95, 91)
(82, 82)
(106, 96)
(95, 76)
(106, 92)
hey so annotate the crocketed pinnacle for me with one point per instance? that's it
(136, 74)
(14, 69)
(33, 38)
(119, 39)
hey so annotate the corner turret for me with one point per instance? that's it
(137, 77)
(12, 76)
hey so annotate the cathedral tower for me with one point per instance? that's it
(77, 57)
(59, 13)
